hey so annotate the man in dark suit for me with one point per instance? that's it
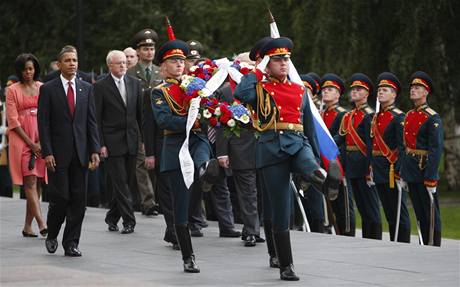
(68, 136)
(148, 76)
(238, 153)
(119, 115)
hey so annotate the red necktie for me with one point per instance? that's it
(70, 99)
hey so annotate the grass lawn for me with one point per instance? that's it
(450, 220)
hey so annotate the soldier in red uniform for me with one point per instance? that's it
(423, 142)
(332, 88)
(287, 141)
(387, 148)
(354, 132)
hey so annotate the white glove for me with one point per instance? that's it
(370, 179)
(402, 184)
(2, 130)
(263, 64)
(432, 190)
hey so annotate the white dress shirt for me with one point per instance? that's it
(120, 83)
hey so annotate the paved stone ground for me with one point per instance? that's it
(143, 259)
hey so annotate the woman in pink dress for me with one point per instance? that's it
(26, 165)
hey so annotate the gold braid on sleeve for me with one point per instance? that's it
(342, 129)
(264, 109)
(373, 124)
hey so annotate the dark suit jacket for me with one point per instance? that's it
(241, 150)
(59, 132)
(153, 135)
(80, 75)
(119, 124)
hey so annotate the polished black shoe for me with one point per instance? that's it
(72, 251)
(273, 262)
(152, 211)
(259, 239)
(250, 241)
(44, 232)
(127, 229)
(196, 233)
(112, 226)
(287, 273)
(230, 233)
(190, 265)
(25, 234)
(51, 245)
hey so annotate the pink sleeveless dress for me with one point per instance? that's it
(21, 110)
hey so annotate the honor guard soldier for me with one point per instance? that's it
(387, 150)
(195, 51)
(332, 88)
(316, 96)
(354, 132)
(423, 142)
(170, 111)
(148, 75)
(254, 55)
(287, 141)
(313, 199)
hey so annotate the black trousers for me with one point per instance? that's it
(421, 202)
(67, 201)
(222, 205)
(339, 208)
(165, 201)
(245, 185)
(367, 201)
(121, 170)
(389, 199)
(180, 195)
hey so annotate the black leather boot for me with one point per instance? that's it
(317, 225)
(437, 238)
(273, 261)
(376, 231)
(404, 235)
(328, 184)
(283, 250)
(209, 174)
(185, 243)
(366, 230)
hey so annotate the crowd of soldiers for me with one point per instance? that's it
(385, 154)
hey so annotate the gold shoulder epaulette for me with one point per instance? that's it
(368, 110)
(340, 109)
(430, 111)
(397, 111)
(160, 85)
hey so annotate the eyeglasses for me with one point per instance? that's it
(121, 63)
